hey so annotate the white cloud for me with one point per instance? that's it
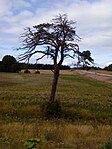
(8, 6)
(20, 4)
(5, 8)
(94, 20)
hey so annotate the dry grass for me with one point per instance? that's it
(86, 103)
(56, 134)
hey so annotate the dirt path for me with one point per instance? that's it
(97, 76)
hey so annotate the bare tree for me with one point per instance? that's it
(59, 39)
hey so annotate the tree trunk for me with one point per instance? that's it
(54, 84)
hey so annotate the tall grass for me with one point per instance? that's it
(86, 111)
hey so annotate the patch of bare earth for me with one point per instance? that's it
(95, 75)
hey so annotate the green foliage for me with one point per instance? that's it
(9, 64)
(109, 68)
(86, 59)
(52, 109)
(6, 140)
(16, 67)
(107, 145)
(32, 143)
(1, 67)
(8, 60)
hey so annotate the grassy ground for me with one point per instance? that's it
(86, 105)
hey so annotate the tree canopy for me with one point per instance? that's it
(9, 64)
(8, 60)
(85, 58)
(57, 37)
(109, 67)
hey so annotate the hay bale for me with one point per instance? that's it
(37, 72)
(26, 71)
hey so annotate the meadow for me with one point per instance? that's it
(86, 121)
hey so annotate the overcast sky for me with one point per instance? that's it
(93, 17)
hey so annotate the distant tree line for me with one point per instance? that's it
(42, 66)
(108, 68)
(9, 64)
(87, 68)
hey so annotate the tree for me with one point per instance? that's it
(8, 60)
(59, 39)
(9, 64)
(108, 68)
(86, 58)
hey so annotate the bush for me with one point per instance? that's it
(52, 109)
(16, 67)
(1, 67)
(32, 143)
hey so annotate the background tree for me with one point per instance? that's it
(59, 39)
(9, 64)
(109, 68)
(86, 59)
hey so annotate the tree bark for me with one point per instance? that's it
(54, 84)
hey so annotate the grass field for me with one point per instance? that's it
(86, 122)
